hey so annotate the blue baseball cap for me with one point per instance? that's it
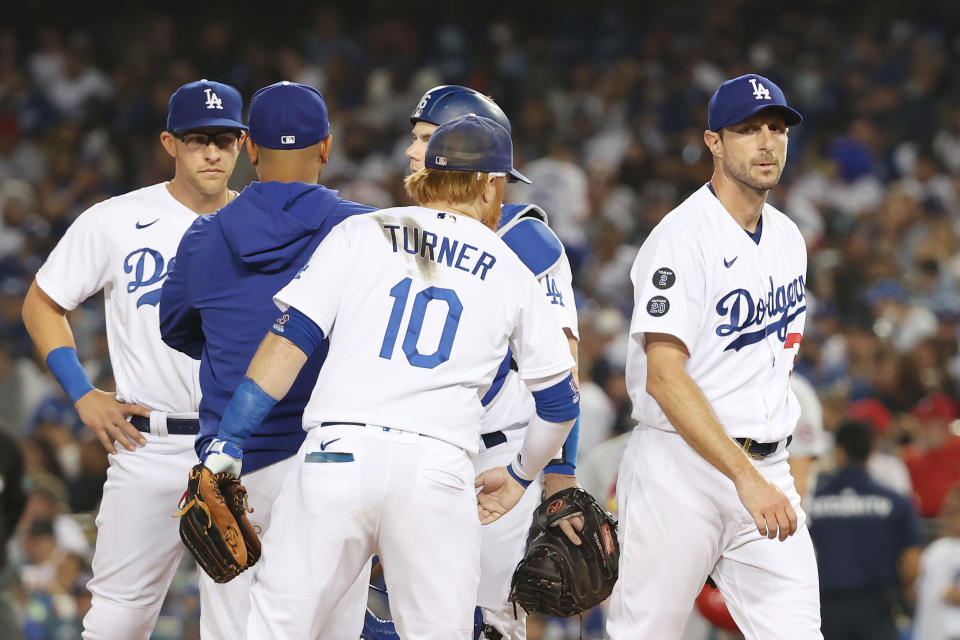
(739, 98)
(288, 115)
(472, 143)
(205, 103)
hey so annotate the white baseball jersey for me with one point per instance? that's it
(125, 246)
(737, 305)
(414, 300)
(937, 618)
(513, 405)
(809, 438)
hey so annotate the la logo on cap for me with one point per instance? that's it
(760, 92)
(213, 100)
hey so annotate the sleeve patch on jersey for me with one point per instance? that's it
(664, 278)
(658, 306)
(537, 246)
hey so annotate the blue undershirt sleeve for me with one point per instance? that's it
(298, 329)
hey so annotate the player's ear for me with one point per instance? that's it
(169, 143)
(253, 151)
(490, 188)
(714, 143)
(325, 145)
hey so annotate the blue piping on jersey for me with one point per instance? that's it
(498, 380)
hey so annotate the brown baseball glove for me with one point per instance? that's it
(214, 524)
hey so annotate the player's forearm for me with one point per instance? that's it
(800, 470)
(269, 377)
(693, 418)
(910, 565)
(276, 365)
(541, 441)
(46, 321)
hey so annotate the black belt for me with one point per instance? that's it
(760, 449)
(492, 439)
(349, 424)
(175, 426)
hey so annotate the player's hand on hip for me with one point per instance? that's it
(554, 482)
(499, 493)
(107, 418)
(769, 506)
(221, 456)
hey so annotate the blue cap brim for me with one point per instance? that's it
(515, 176)
(211, 122)
(790, 115)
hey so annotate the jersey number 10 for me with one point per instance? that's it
(400, 292)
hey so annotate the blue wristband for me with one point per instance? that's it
(66, 368)
(246, 410)
(513, 474)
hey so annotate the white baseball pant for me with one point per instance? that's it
(680, 521)
(138, 542)
(503, 543)
(224, 608)
(364, 490)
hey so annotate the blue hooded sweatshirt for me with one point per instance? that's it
(217, 302)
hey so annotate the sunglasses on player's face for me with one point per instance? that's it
(197, 140)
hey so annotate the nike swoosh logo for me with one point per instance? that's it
(323, 445)
(729, 263)
(144, 226)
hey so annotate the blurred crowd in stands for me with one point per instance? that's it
(608, 107)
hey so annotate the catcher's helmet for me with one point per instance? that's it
(442, 104)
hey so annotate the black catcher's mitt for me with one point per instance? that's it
(557, 577)
(214, 525)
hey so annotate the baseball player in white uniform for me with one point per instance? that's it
(125, 246)
(704, 487)
(419, 304)
(509, 403)
(810, 441)
(938, 585)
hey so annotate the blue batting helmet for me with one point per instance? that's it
(447, 102)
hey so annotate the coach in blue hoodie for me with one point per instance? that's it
(217, 303)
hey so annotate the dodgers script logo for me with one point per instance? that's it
(743, 313)
(147, 268)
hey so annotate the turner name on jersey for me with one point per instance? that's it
(439, 248)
